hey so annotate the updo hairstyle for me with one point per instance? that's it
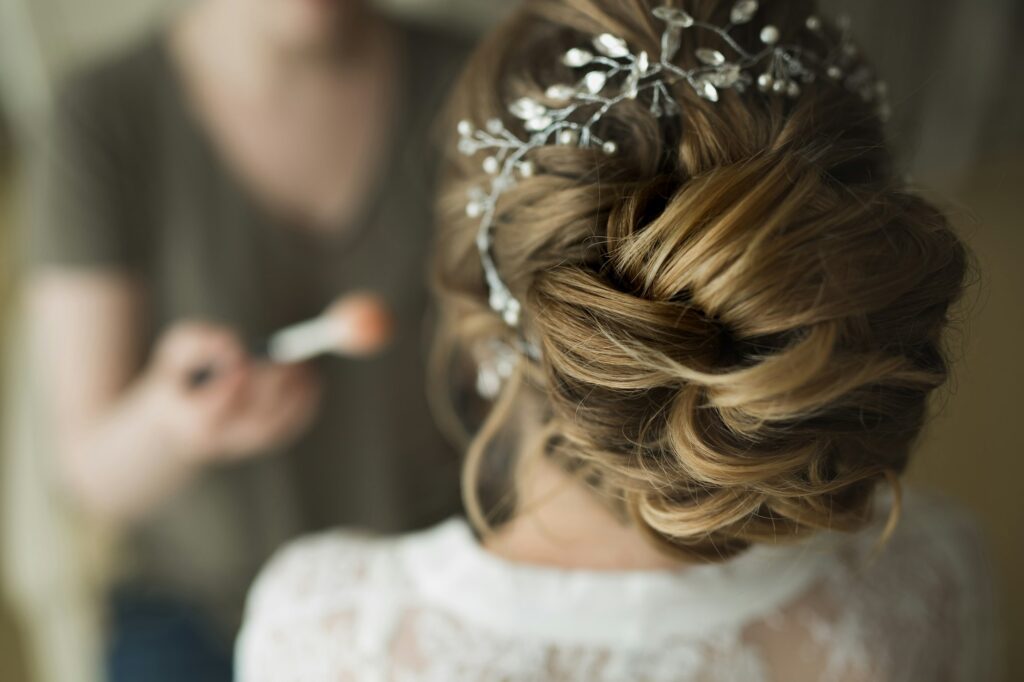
(739, 314)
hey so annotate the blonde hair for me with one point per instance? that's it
(740, 314)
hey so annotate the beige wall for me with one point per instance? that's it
(974, 450)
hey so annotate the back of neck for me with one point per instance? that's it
(562, 524)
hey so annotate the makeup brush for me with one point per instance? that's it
(356, 325)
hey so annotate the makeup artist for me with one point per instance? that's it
(232, 174)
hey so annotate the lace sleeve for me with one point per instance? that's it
(301, 612)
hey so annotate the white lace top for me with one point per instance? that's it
(436, 606)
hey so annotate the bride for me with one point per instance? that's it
(707, 316)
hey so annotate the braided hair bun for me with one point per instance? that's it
(739, 314)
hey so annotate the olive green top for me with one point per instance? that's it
(132, 182)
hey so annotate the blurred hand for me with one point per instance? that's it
(243, 408)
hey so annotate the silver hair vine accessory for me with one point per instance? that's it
(611, 73)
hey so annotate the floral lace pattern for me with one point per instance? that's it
(435, 607)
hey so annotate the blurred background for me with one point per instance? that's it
(954, 72)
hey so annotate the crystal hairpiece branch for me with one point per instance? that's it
(610, 73)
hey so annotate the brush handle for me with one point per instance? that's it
(306, 340)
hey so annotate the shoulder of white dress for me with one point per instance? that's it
(931, 530)
(340, 567)
(918, 602)
(317, 569)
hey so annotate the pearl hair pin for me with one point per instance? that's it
(610, 73)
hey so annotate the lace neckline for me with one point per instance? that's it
(449, 569)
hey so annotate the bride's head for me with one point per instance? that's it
(731, 314)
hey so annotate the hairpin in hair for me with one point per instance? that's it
(611, 73)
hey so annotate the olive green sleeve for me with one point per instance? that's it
(86, 183)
